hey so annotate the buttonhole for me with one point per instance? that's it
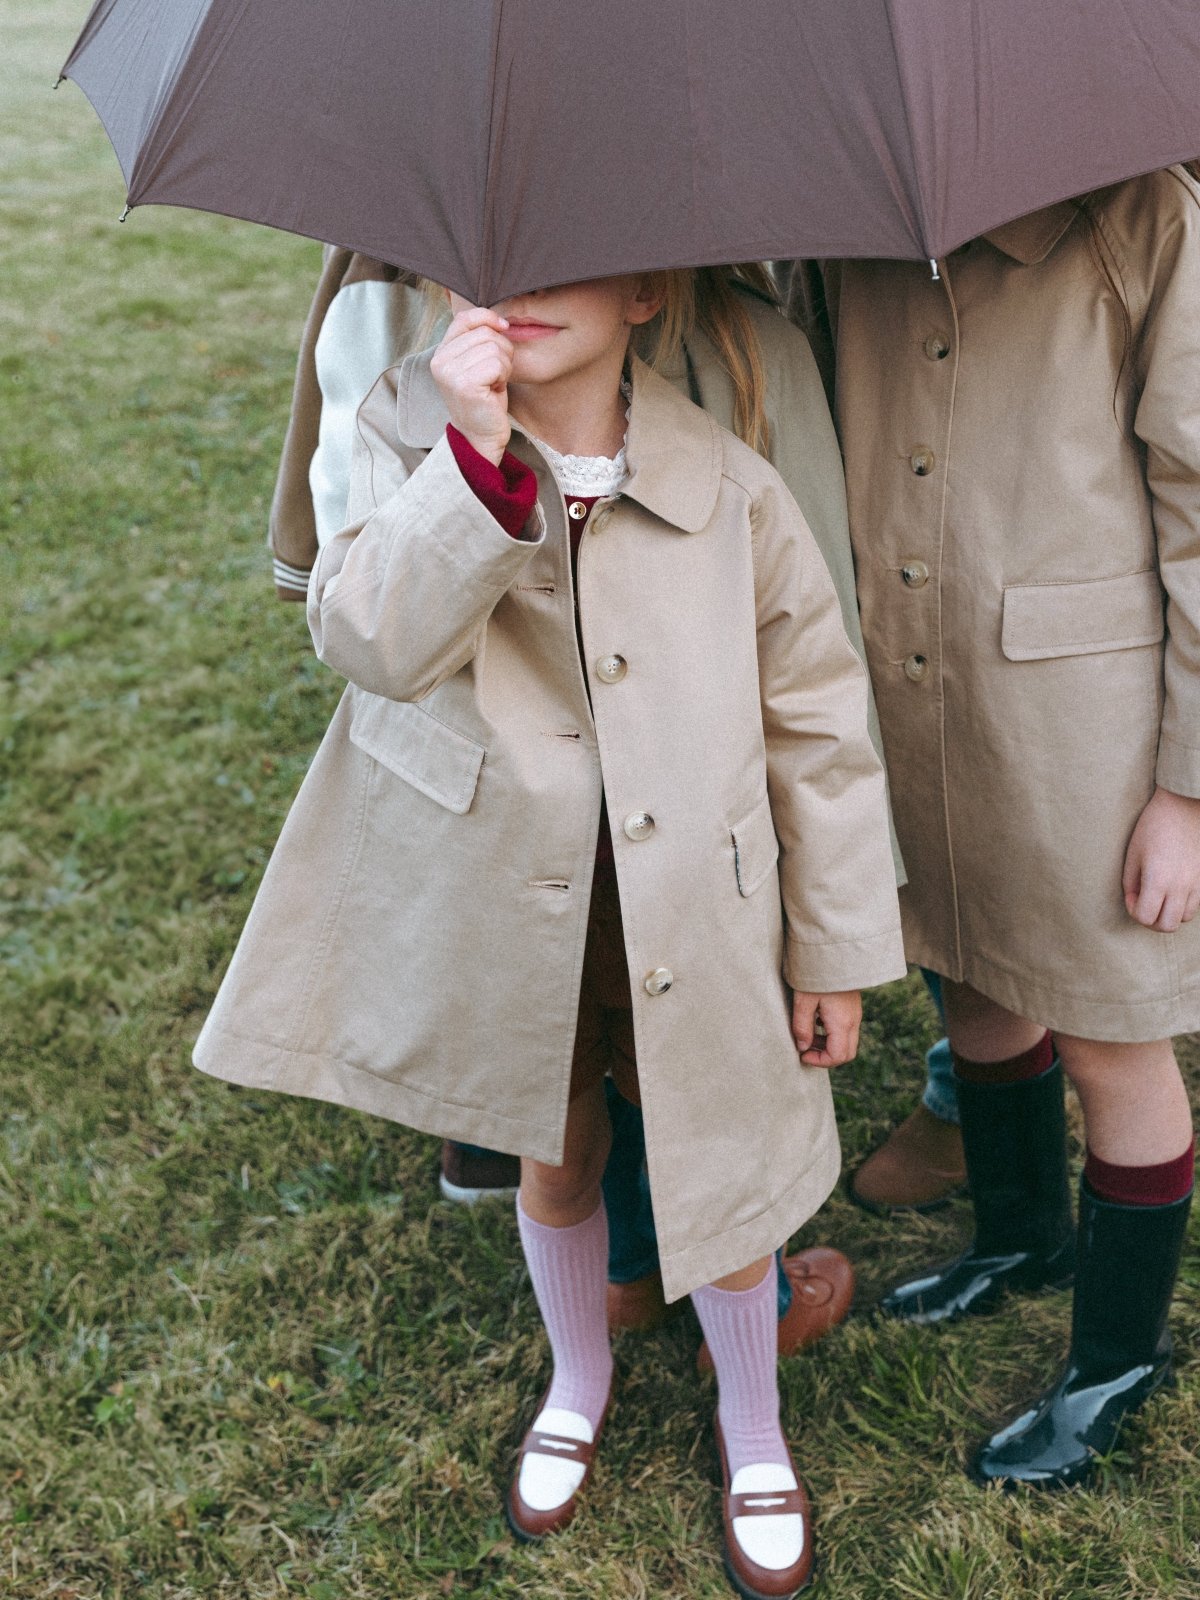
(551, 733)
(549, 883)
(536, 588)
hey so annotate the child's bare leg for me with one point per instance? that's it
(1135, 1105)
(564, 1233)
(981, 1030)
(559, 1197)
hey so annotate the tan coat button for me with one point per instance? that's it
(611, 669)
(639, 825)
(577, 510)
(937, 347)
(921, 461)
(658, 981)
(916, 668)
(915, 574)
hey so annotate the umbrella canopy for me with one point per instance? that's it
(503, 145)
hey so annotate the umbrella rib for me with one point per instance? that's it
(918, 197)
(483, 276)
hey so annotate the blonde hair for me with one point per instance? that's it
(707, 299)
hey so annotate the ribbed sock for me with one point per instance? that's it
(569, 1271)
(1030, 1063)
(1161, 1184)
(742, 1329)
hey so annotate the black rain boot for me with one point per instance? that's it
(1015, 1143)
(1120, 1354)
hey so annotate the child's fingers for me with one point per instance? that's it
(1147, 907)
(841, 1041)
(804, 1019)
(818, 1058)
(1192, 904)
(1171, 917)
(467, 321)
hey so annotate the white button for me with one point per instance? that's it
(639, 826)
(916, 668)
(611, 669)
(577, 510)
(915, 574)
(658, 981)
(922, 462)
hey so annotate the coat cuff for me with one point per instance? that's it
(509, 491)
(1178, 767)
(851, 964)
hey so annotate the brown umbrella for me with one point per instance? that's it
(502, 145)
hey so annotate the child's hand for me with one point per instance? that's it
(1162, 865)
(471, 367)
(825, 1027)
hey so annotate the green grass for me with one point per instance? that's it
(243, 1353)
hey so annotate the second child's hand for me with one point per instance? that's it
(471, 367)
(825, 1027)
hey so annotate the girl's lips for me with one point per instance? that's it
(527, 332)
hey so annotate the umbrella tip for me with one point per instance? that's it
(62, 78)
(124, 213)
(937, 277)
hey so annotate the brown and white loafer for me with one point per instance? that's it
(556, 1439)
(791, 1536)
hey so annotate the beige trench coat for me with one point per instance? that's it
(436, 867)
(1024, 492)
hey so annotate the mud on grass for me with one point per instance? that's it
(244, 1352)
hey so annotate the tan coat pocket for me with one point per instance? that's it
(755, 847)
(1078, 619)
(412, 743)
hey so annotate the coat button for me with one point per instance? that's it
(658, 981)
(915, 574)
(639, 825)
(611, 669)
(577, 511)
(937, 347)
(921, 461)
(916, 668)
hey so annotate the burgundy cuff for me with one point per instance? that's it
(508, 491)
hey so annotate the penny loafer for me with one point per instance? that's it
(822, 1283)
(639, 1306)
(527, 1523)
(749, 1579)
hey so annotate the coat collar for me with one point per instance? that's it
(1030, 239)
(672, 447)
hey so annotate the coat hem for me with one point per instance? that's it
(1108, 1022)
(734, 1248)
(260, 1064)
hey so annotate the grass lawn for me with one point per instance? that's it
(243, 1352)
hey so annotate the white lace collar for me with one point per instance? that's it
(588, 476)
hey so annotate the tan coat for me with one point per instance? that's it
(1024, 496)
(436, 867)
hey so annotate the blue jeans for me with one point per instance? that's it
(940, 1095)
(632, 1241)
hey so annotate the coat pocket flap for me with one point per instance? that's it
(1079, 619)
(755, 847)
(413, 744)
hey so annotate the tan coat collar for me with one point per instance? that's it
(672, 448)
(1030, 239)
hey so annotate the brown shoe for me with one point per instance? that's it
(822, 1283)
(469, 1175)
(639, 1305)
(751, 1581)
(528, 1524)
(918, 1167)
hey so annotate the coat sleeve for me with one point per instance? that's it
(824, 780)
(399, 600)
(292, 530)
(1167, 421)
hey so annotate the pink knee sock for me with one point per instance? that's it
(569, 1271)
(742, 1329)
